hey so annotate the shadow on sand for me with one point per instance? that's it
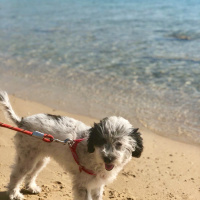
(4, 196)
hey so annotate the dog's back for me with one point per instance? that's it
(61, 127)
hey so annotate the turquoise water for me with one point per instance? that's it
(138, 59)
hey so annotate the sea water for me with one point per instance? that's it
(137, 59)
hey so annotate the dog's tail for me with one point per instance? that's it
(5, 103)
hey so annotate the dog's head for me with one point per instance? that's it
(115, 141)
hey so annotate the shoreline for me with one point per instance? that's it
(140, 105)
(166, 170)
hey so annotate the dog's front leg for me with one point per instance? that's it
(97, 193)
(81, 193)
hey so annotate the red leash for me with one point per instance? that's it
(49, 138)
(45, 137)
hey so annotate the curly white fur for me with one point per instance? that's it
(109, 146)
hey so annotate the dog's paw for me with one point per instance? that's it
(34, 189)
(16, 196)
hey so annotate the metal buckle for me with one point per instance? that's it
(70, 142)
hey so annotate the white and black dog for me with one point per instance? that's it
(106, 148)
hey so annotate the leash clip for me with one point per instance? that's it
(68, 141)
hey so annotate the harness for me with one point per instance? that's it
(75, 156)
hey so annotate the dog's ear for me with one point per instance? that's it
(90, 141)
(139, 142)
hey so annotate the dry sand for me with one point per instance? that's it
(166, 170)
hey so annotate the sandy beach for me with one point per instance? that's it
(166, 170)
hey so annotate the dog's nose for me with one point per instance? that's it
(108, 159)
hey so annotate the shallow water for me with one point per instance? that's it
(100, 58)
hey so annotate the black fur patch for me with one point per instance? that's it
(54, 117)
(95, 138)
(139, 143)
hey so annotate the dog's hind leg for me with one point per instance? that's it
(24, 163)
(31, 176)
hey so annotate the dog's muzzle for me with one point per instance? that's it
(109, 167)
(108, 162)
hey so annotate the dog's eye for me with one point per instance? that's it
(118, 145)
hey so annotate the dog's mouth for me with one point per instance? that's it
(109, 167)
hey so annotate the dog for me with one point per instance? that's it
(104, 150)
